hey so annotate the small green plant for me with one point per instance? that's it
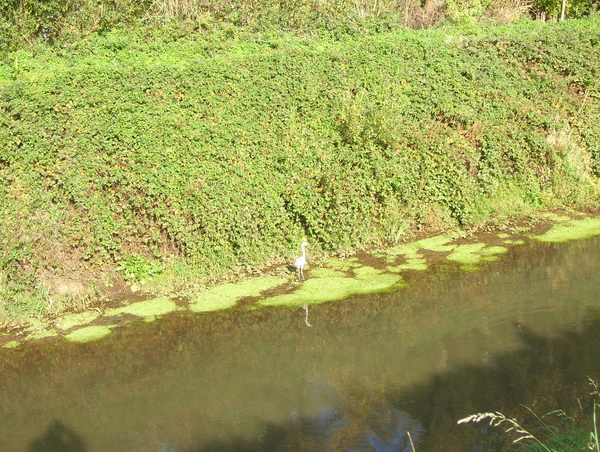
(594, 432)
(466, 11)
(137, 268)
(19, 303)
(398, 228)
(557, 437)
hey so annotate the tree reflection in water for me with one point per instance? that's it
(58, 438)
(330, 421)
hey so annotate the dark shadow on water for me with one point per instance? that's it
(547, 374)
(58, 438)
(271, 436)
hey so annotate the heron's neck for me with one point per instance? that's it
(303, 252)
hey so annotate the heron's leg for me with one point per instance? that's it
(305, 307)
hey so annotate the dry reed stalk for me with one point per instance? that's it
(496, 419)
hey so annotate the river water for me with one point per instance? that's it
(522, 331)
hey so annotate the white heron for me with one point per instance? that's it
(301, 262)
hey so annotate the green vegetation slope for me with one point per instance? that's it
(223, 148)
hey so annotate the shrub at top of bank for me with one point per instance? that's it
(26, 22)
(229, 151)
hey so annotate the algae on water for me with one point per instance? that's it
(410, 264)
(405, 248)
(227, 295)
(321, 290)
(88, 334)
(470, 255)
(42, 334)
(11, 344)
(366, 272)
(571, 230)
(340, 264)
(493, 250)
(70, 320)
(438, 243)
(466, 254)
(514, 242)
(326, 273)
(147, 308)
(556, 217)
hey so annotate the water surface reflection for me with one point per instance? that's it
(371, 369)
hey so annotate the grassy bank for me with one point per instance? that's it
(216, 150)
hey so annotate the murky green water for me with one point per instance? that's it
(521, 331)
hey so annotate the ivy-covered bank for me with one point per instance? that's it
(195, 154)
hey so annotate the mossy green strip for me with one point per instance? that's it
(326, 273)
(38, 329)
(366, 272)
(88, 334)
(321, 290)
(340, 264)
(147, 308)
(227, 295)
(35, 325)
(467, 254)
(212, 301)
(41, 334)
(473, 254)
(571, 230)
(438, 243)
(71, 320)
(409, 256)
(493, 250)
(410, 264)
(11, 344)
(555, 217)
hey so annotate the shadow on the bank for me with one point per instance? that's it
(58, 438)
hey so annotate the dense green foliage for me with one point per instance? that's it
(59, 22)
(226, 147)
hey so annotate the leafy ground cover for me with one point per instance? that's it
(214, 151)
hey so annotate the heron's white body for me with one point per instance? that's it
(301, 262)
